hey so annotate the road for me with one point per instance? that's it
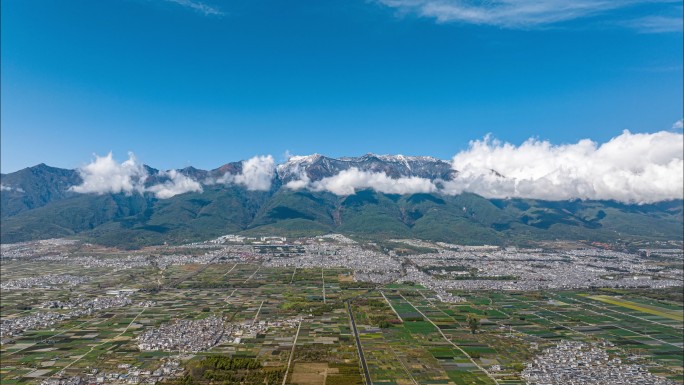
(451, 342)
(392, 307)
(289, 361)
(103, 342)
(180, 280)
(358, 346)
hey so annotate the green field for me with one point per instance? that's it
(676, 315)
(425, 342)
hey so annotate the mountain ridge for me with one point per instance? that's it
(39, 202)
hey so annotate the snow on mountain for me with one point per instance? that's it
(316, 167)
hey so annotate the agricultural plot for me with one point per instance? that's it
(674, 314)
(289, 325)
(262, 301)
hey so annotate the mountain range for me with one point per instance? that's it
(41, 202)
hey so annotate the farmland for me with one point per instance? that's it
(292, 325)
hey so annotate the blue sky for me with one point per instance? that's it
(183, 82)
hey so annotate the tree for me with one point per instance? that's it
(473, 323)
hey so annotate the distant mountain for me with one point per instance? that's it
(35, 187)
(317, 167)
(37, 203)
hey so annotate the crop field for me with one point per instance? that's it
(675, 314)
(407, 336)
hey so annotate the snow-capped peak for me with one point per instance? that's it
(304, 159)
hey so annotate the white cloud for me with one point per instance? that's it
(347, 182)
(510, 13)
(678, 125)
(104, 175)
(298, 184)
(630, 168)
(10, 188)
(198, 6)
(657, 24)
(177, 184)
(257, 174)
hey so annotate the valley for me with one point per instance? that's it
(333, 310)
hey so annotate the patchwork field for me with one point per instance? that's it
(297, 327)
(675, 314)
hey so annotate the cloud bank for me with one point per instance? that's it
(177, 184)
(257, 174)
(630, 168)
(347, 182)
(104, 175)
(523, 13)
